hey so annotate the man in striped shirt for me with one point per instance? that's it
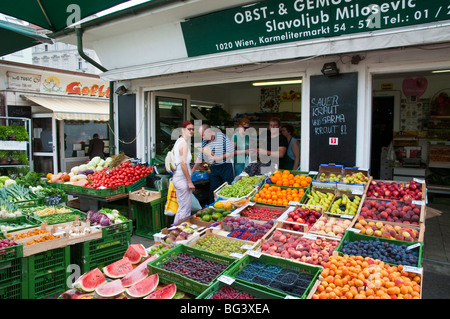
(221, 159)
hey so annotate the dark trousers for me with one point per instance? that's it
(220, 174)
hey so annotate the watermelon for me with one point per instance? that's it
(138, 273)
(167, 292)
(143, 287)
(136, 253)
(118, 269)
(90, 280)
(110, 289)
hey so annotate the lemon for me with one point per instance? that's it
(218, 205)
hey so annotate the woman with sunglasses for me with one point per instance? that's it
(182, 176)
(241, 143)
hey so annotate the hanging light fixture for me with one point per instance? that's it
(330, 69)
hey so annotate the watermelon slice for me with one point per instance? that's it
(90, 280)
(138, 273)
(110, 289)
(118, 269)
(136, 253)
(143, 287)
(167, 292)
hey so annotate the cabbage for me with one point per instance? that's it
(101, 163)
(83, 168)
(104, 221)
(95, 160)
(95, 218)
(89, 214)
(10, 182)
(98, 168)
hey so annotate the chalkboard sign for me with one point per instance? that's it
(333, 110)
(127, 124)
(18, 111)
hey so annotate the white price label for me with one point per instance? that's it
(291, 203)
(357, 192)
(418, 202)
(354, 230)
(413, 246)
(313, 172)
(254, 253)
(226, 280)
(310, 236)
(236, 255)
(243, 174)
(290, 297)
(347, 216)
(413, 269)
(246, 247)
(419, 180)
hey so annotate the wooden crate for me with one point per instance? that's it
(223, 234)
(424, 188)
(34, 249)
(327, 169)
(144, 196)
(300, 234)
(420, 227)
(283, 219)
(421, 204)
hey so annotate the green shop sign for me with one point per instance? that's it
(274, 22)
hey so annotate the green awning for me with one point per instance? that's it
(15, 38)
(54, 15)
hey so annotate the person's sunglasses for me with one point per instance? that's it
(190, 129)
(246, 127)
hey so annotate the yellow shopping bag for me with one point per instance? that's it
(171, 205)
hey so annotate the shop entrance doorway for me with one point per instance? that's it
(383, 113)
(167, 112)
(44, 143)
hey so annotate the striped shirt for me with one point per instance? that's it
(219, 147)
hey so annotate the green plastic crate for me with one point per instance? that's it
(21, 219)
(100, 252)
(49, 218)
(11, 272)
(307, 190)
(136, 185)
(44, 285)
(150, 217)
(353, 236)
(184, 283)
(279, 262)
(10, 253)
(42, 200)
(124, 227)
(12, 290)
(257, 293)
(45, 273)
(106, 192)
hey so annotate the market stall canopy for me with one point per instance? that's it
(74, 109)
(16, 37)
(55, 15)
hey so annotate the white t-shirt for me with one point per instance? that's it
(177, 157)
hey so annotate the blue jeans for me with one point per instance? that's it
(238, 169)
(220, 174)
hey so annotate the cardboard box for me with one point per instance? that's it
(144, 196)
(327, 169)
